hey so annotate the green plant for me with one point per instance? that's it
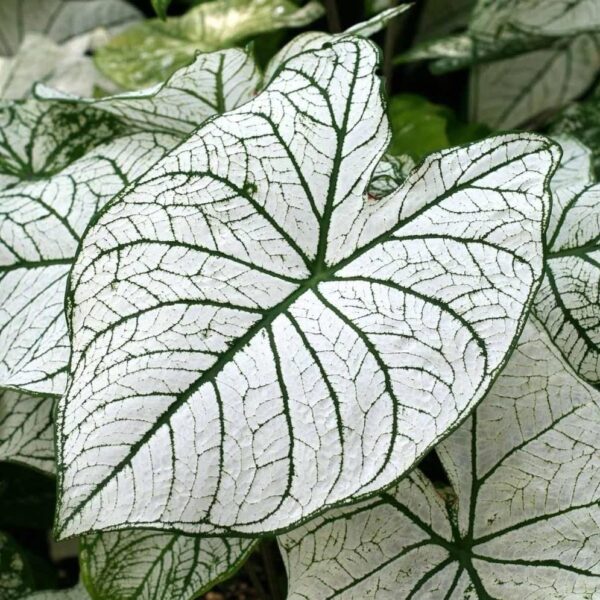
(236, 314)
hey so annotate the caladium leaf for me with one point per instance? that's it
(567, 302)
(27, 430)
(145, 565)
(57, 173)
(149, 52)
(582, 121)
(510, 92)
(443, 17)
(64, 66)
(214, 83)
(15, 575)
(524, 468)
(277, 327)
(60, 20)
(497, 18)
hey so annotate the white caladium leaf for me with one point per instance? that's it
(58, 171)
(60, 20)
(568, 300)
(522, 525)
(39, 58)
(148, 52)
(510, 92)
(443, 17)
(27, 430)
(293, 344)
(214, 83)
(496, 18)
(389, 175)
(145, 565)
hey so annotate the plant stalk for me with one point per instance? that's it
(389, 48)
(269, 563)
(333, 16)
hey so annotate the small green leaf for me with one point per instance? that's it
(160, 7)
(420, 127)
(149, 52)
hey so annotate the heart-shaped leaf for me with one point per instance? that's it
(60, 20)
(145, 565)
(255, 340)
(568, 301)
(522, 524)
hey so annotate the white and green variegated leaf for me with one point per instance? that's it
(293, 344)
(498, 18)
(65, 67)
(59, 165)
(149, 52)
(75, 593)
(145, 565)
(27, 430)
(568, 302)
(60, 20)
(510, 92)
(15, 575)
(214, 83)
(523, 523)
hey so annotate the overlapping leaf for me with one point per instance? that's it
(145, 565)
(60, 20)
(64, 66)
(254, 340)
(525, 518)
(26, 430)
(510, 92)
(58, 169)
(214, 83)
(149, 52)
(568, 302)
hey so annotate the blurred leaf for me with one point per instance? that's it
(149, 52)
(160, 7)
(420, 127)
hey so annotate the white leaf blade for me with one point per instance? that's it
(567, 302)
(214, 83)
(254, 300)
(27, 430)
(524, 469)
(59, 19)
(512, 91)
(145, 565)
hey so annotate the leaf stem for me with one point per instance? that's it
(389, 48)
(333, 16)
(254, 578)
(268, 559)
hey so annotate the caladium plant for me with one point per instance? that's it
(231, 314)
